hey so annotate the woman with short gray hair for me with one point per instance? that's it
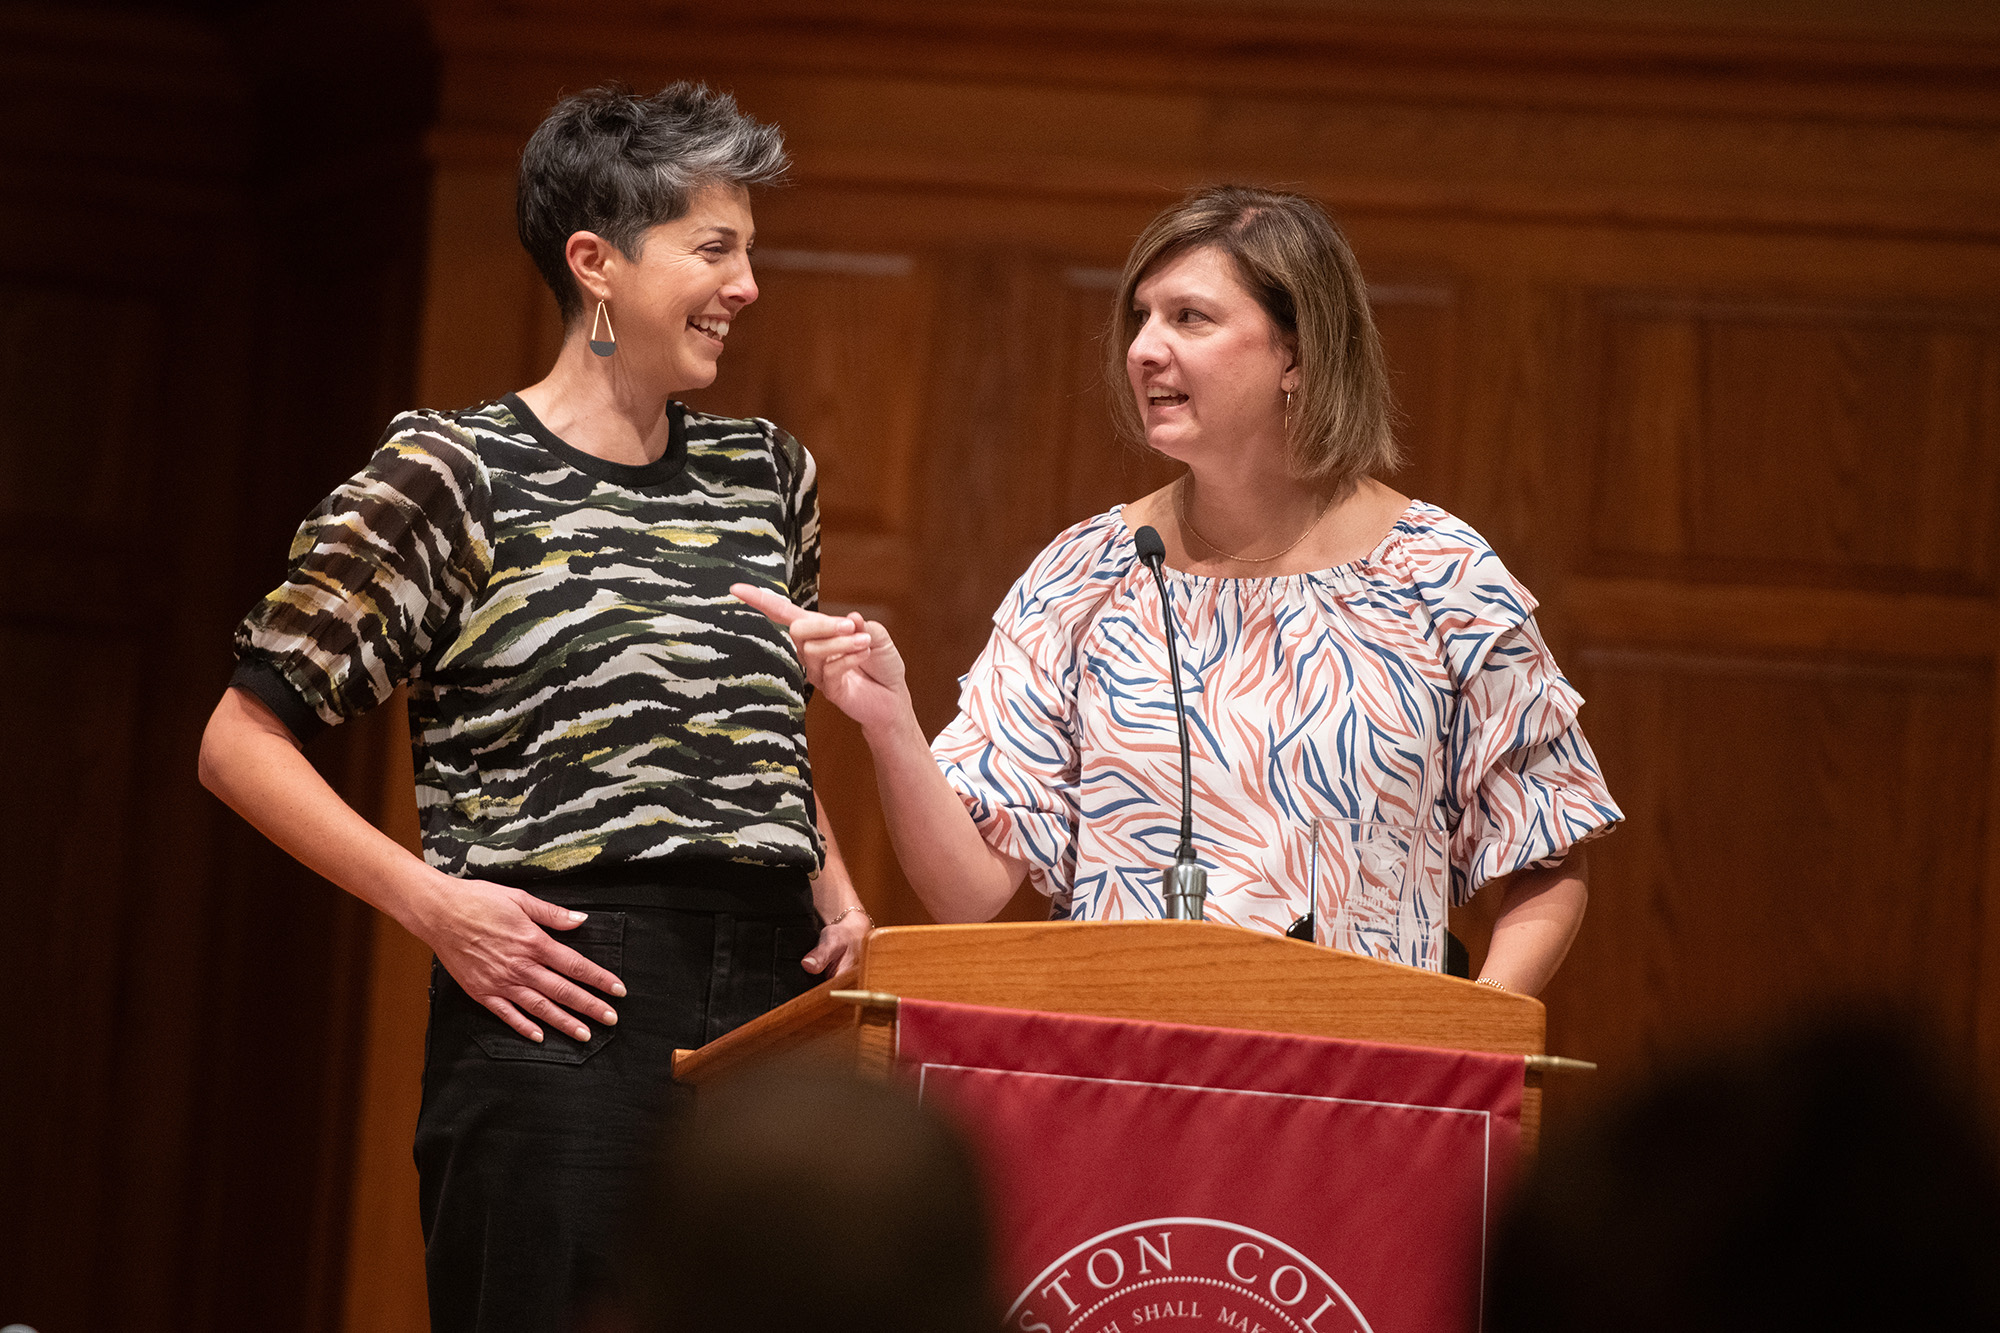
(1376, 729)
(622, 852)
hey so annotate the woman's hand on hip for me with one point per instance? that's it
(495, 942)
(850, 660)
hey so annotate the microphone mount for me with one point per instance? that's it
(1184, 884)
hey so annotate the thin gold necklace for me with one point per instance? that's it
(1180, 512)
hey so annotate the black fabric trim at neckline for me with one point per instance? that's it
(632, 476)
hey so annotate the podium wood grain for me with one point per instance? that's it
(1159, 971)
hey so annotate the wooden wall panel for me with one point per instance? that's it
(1418, 324)
(1803, 833)
(1531, 120)
(1688, 484)
(1510, 456)
(490, 325)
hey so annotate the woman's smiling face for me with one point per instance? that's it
(1208, 368)
(672, 306)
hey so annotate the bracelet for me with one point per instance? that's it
(1489, 981)
(848, 912)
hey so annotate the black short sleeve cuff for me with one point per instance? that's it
(271, 689)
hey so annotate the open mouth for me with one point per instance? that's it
(1164, 398)
(710, 327)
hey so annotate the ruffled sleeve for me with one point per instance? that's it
(1011, 754)
(378, 573)
(1522, 786)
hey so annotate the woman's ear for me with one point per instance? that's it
(590, 258)
(1292, 376)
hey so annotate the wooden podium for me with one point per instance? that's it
(1164, 971)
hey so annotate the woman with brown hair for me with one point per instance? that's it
(1377, 727)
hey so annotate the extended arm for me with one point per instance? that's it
(1540, 912)
(856, 665)
(958, 876)
(488, 936)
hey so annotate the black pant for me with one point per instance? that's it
(526, 1151)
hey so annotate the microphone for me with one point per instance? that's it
(1184, 885)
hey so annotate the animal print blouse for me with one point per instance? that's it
(584, 692)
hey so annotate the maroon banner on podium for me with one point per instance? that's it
(1160, 1177)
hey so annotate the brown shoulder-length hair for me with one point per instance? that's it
(1295, 261)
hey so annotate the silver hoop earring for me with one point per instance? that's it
(610, 343)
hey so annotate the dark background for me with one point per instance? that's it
(210, 279)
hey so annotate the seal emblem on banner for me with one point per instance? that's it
(1179, 1274)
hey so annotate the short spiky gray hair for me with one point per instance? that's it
(615, 163)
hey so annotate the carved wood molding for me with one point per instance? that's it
(1526, 121)
(1743, 64)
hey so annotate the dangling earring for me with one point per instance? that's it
(610, 343)
(1288, 411)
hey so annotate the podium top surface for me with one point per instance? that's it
(1159, 971)
(1196, 972)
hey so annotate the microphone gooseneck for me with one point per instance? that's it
(1185, 883)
